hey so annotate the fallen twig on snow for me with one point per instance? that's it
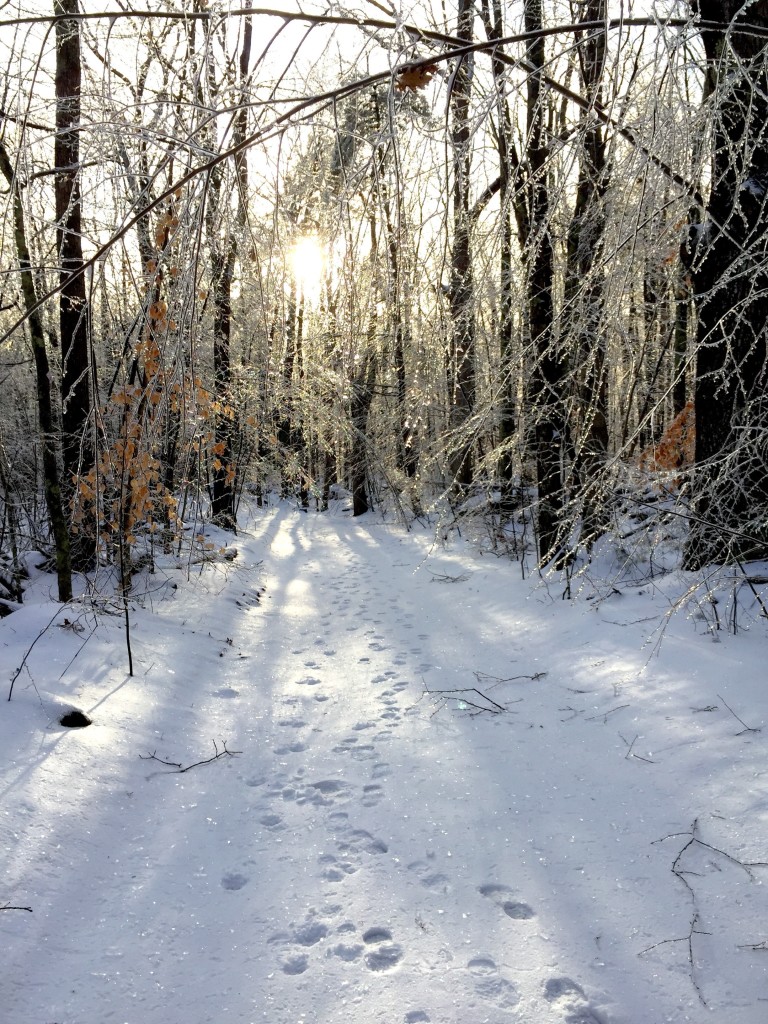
(747, 728)
(28, 651)
(629, 752)
(9, 907)
(463, 702)
(688, 939)
(224, 752)
(439, 577)
(604, 714)
(496, 680)
(679, 872)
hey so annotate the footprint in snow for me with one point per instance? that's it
(335, 870)
(359, 841)
(226, 692)
(358, 751)
(384, 954)
(429, 878)
(322, 793)
(233, 881)
(515, 909)
(272, 821)
(309, 680)
(518, 911)
(296, 964)
(310, 933)
(417, 1017)
(490, 985)
(351, 847)
(291, 748)
(347, 951)
(568, 997)
(372, 794)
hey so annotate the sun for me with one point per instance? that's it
(308, 263)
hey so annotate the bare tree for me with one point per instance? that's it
(728, 257)
(74, 308)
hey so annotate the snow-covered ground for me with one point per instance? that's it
(367, 849)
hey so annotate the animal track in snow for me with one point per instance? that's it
(358, 840)
(490, 985)
(335, 870)
(518, 911)
(291, 748)
(429, 878)
(565, 995)
(372, 794)
(310, 933)
(226, 692)
(296, 964)
(384, 954)
(347, 951)
(515, 909)
(309, 680)
(273, 821)
(233, 880)
(321, 793)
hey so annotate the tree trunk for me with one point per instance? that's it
(74, 310)
(223, 260)
(583, 298)
(547, 374)
(362, 398)
(461, 377)
(728, 257)
(51, 481)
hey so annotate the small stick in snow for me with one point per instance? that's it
(9, 907)
(179, 770)
(464, 703)
(39, 636)
(604, 714)
(496, 680)
(629, 753)
(688, 939)
(679, 872)
(747, 728)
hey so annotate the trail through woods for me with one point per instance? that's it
(550, 845)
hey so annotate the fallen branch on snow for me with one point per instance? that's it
(747, 728)
(178, 769)
(467, 698)
(680, 872)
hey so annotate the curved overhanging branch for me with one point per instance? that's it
(312, 105)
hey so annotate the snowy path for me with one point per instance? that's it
(364, 857)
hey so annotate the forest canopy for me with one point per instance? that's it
(499, 260)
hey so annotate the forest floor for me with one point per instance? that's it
(443, 793)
